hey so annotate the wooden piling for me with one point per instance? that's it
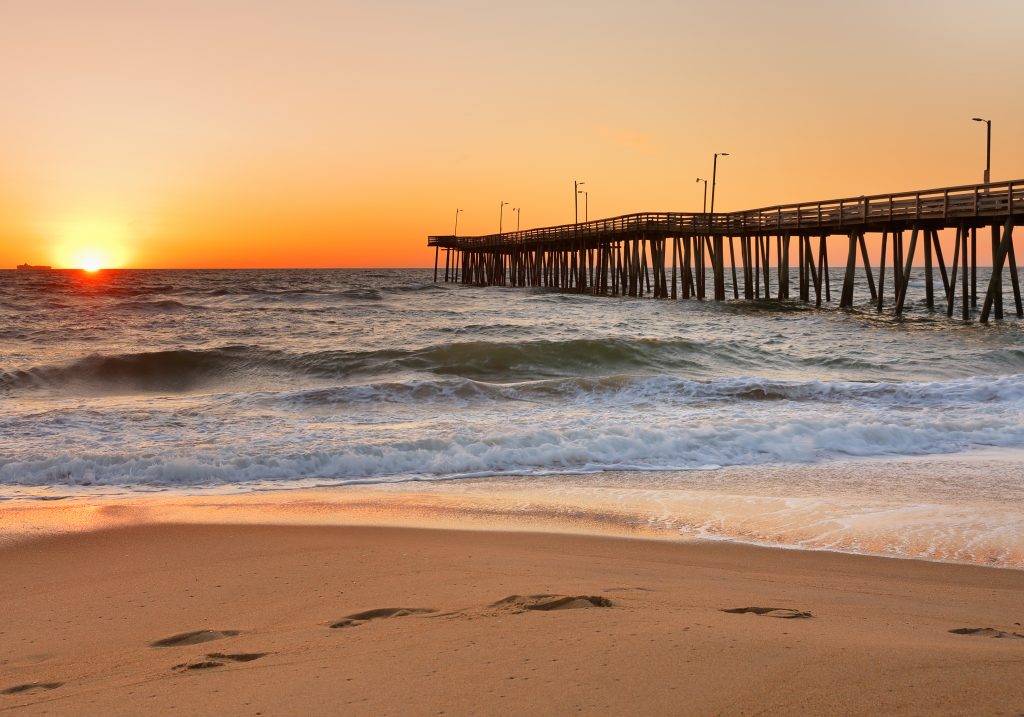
(965, 290)
(929, 290)
(732, 263)
(1014, 280)
(867, 265)
(995, 284)
(846, 298)
(881, 271)
(802, 289)
(823, 266)
(974, 266)
(951, 285)
(940, 261)
(905, 273)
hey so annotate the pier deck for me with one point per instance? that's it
(631, 254)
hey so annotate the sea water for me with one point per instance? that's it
(759, 421)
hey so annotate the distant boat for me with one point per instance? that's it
(32, 267)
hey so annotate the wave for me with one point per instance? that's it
(670, 367)
(158, 305)
(182, 369)
(128, 291)
(633, 389)
(500, 447)
(172, 370)
(279, 293)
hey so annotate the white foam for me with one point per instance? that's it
(160, 447)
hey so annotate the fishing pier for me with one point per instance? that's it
(683, 254)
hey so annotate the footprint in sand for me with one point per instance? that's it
(218, 659)
(522, 603)
(786, 613)
(379, 613)
(987, 632)
(194, 638)
(30, 687)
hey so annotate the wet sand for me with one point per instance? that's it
(287, 620)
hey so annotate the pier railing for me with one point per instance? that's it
(971, 201)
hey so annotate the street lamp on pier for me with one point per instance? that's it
(714, 177)
(455, 234)
(732, 252)
(576, 200)
(988, 147)
(705, 210)
(517, 210)
(501, 216)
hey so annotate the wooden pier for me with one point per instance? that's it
(683, 255)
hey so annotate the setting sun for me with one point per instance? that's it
(91, 262)
(91, 245)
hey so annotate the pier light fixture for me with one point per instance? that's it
(586, 204)
(517, 210)
(714, 177)
(501, 215)
(988, 147)
(455, 234)
(576, 200)
(705, 210)
(732, 254)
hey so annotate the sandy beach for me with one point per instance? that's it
(287, 620)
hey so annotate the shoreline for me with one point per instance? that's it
(82, 611)
(872, 507)
(27, 538)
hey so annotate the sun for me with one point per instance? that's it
(91, 261)
(91, 244)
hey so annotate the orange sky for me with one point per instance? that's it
(330, 133)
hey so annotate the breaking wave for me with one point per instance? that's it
(185, 369)
(497, 449)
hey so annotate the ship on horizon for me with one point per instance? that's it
(34, 267)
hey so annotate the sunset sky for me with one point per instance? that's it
(231, 133)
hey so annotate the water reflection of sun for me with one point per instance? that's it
(91, 245)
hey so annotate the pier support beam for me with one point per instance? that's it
(905, 273)
(732, 263)
(965, 291)
(881, 271)
(823, 266)
(929, 288)
(995, 284)
(719, 263)
(951, 284)
(846, 298)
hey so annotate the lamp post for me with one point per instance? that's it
(714, 177)
(501, 216)
(455, 234)
(988, 147)
(732, 253)
(705, 210)
(576, 200)
(586, 204)
(517, 210)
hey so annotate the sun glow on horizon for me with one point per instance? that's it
(91, 245)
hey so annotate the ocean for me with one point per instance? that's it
(761, 422)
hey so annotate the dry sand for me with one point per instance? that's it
(282, 620)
